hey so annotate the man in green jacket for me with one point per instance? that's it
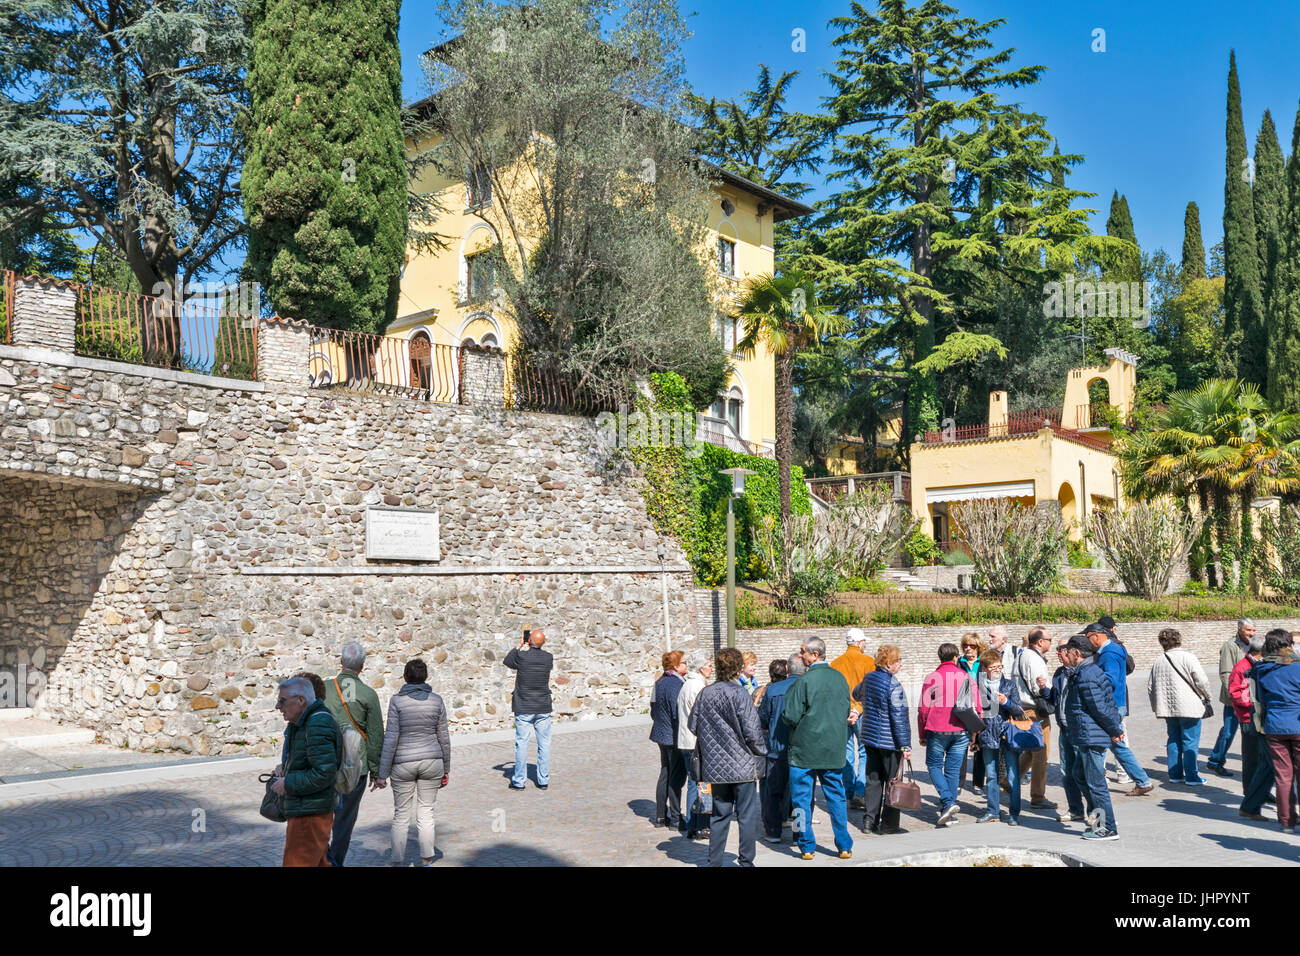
(312, 749)
(354, 704)
(817, 710)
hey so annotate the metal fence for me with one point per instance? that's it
(159, 331)
(537, 385)
(761, 609)
(369, 362)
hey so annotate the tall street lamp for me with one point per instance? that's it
(737, 489)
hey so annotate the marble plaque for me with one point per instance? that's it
(401, 534)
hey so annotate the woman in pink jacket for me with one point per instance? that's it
(945, 739)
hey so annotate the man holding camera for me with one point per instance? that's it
(531, 703)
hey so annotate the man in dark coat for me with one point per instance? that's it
(1095, 723)
(730, 744)
(313, 747)
(531, 703)
(663, 731)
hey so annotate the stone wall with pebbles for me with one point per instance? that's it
(161, 611)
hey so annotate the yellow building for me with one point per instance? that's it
(1060, 455)
(449, 299)
(848, 456)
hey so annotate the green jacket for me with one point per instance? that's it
(312, 748)
(817, 710)
(364, 704)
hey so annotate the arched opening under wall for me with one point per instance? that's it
(1069, 509)
(1098, 399)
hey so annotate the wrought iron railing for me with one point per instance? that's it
(386, 364)
(538, 385)
(719, 431)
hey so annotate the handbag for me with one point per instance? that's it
(1209, 704)
(1023, 736)
(963, 710)
(272, 802)
(903, 794)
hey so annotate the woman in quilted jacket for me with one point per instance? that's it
(999, 701)
(1178, 689)
(886, 735)
(417, 755)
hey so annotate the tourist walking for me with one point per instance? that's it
(999, 702)
(886, 736)
(817, 711)
(698, 674)
(1278, 682)
(854, 664)
(1256, 759)
(663, 732)
(1180, 696)
(352, 702)
(945, 740)
(1230, 654)
(531, 703)
(1033, 684)
(416, 758)
(730, 743)
(774, 791)
(972, 649)
(1057, 696)
(1094, 723)
(1112, 657)
(313, 748)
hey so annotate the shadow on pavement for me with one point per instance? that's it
(1284, 848)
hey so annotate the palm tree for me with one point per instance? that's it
(783, 312)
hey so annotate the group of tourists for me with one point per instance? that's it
(754, 754)
(319, 784)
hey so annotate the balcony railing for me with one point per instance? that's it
(368, 362)
(828, 489)
(1019, 425)
(718, 431)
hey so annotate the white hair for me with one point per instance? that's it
(299, 687)
(700, 659)
(353, 657)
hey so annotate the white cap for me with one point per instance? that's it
(856, 634)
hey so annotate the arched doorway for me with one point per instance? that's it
(421, 361)
(1069, 508)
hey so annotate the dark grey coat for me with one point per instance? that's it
(728, 735)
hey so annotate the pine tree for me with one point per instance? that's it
(1193, 264)
(1243, 323)
(1267, 197)
(325, 181)
(1284, 308)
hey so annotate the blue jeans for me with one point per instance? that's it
(541, 725)
(855, 766)
(1224, 742)
(1069, 760)
(1183, 747)
(1092, 762)
(801, 794)
(345, 818)
(994, 792)
(1261, 781)
(943, 757)
(1129, 762)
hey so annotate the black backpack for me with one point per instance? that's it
(1129, 666)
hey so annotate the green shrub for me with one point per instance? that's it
(1196, 588)
(860, 585)
(955, 558)
(1078, 557)
(921, 549)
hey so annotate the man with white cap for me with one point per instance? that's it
(855, 664)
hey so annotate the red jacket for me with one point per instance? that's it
(1239, 689)
(938, 695)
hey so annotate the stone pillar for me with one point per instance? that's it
(45, 314)
(483, 376)
(283, 346)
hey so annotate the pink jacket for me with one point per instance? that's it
(1239, 689)
(938, 696)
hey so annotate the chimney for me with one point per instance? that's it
(997, 413)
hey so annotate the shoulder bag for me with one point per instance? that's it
(1209, 705)
(272, 802)
(1023, 736)
(963, 709)
(903, 794)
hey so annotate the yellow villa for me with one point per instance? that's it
(1059, 455)
(449, 299)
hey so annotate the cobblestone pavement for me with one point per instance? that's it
(596, 812)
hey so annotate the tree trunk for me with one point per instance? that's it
(784, 425)
(1203, 539)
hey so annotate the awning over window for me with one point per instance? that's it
(1007, 489)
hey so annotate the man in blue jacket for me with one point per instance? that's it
(1057, 696)
(1095, 724)
(1112, 658)
(775, 791)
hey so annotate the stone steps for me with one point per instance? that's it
(905, 580)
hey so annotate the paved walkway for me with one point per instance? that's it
(596, 812)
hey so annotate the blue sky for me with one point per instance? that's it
(1147, 114)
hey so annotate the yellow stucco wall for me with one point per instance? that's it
(1051, 463)
(431, 288)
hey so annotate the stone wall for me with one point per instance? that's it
(39, 305)
(220, 546)
(483, 376)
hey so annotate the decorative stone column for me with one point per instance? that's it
(45, 314)
(483, 376)
(283, 347)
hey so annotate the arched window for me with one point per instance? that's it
(489, 341)
(734, 401)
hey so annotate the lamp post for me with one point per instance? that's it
(663, 580)
(737, 489)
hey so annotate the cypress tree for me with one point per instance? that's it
(1193, 265)
(1120, 222)
(1284, 308)
(1243, 324)
(1267, 197)
(324, 181)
